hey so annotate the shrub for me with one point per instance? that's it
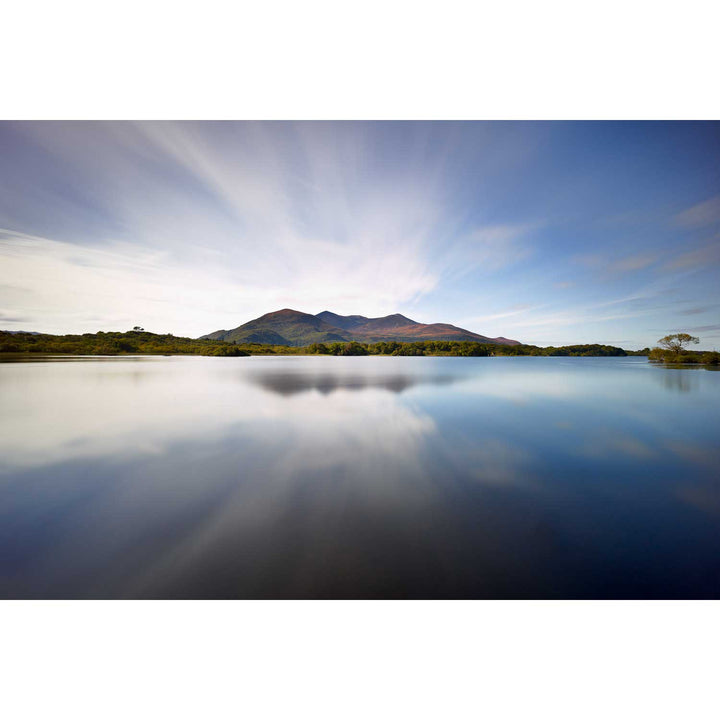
(353, 348)
(656, 355)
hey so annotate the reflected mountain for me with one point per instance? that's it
(287, 384)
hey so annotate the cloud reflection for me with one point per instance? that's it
(355, 477)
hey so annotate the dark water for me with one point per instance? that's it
(316, 477)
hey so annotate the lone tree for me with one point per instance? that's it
(676, 343)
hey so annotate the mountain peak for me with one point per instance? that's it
(292, 327)
(346, 322)
(285, 312)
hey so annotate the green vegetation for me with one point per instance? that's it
(455, 348)
(134, 342)
(658, 355)
(672, 350)
(676, 343)
(139, 342)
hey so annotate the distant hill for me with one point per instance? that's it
(290, 327)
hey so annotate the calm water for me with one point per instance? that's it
(324, 477)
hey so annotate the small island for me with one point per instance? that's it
(672, 351)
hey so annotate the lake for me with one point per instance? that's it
(358, 477)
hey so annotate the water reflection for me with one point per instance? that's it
(678, 380)
(286, 384)
(357, 477)
(37, 358)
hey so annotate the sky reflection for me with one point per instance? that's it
(357, 477)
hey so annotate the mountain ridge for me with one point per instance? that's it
(297, 329)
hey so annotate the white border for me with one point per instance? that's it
(359, 660)
(379, 59)
(370, 60)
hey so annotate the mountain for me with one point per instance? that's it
(283, 327)
(290, 327)
(346, 322)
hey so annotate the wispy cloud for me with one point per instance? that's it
(488, 249)
(699, 257)
(256, 217)
(510, 312)
(634, 262)
(702, 214)
(611, 265)
(189, 227)
(551, 324)
(122, 284)
(697, 310)
(699, 328)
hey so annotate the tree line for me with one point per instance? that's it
(140, 342)
(134, 342)
(459, 348)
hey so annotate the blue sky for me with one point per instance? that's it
(548, 232)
